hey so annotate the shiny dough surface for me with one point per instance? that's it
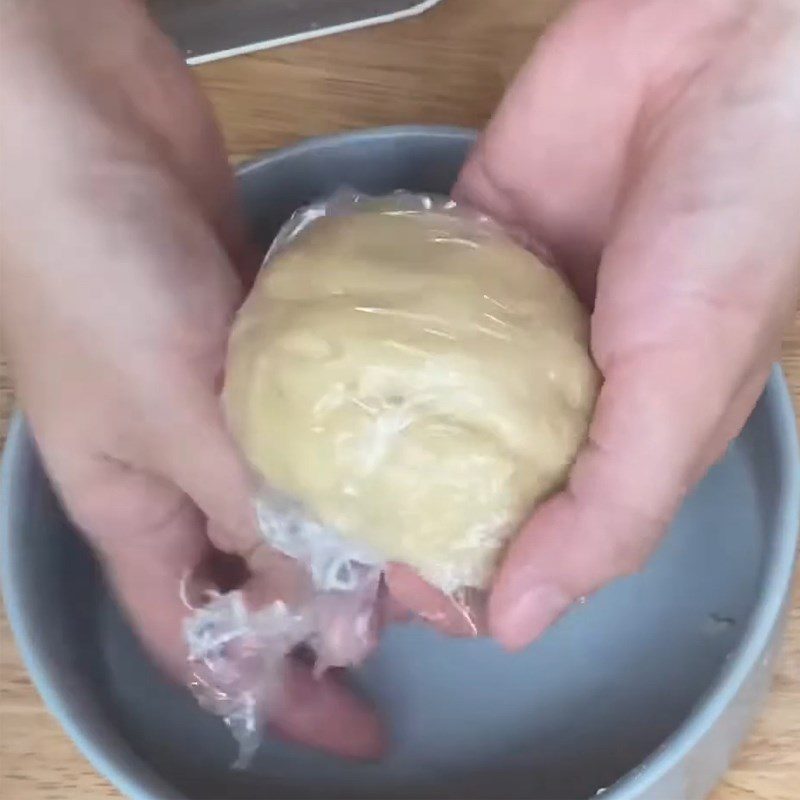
(417, 380)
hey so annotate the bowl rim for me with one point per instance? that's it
(779, 566)
(121, 771)
(775, 589)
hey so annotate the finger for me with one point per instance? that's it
(149, 537)
(312, 708)
(392, 611)
(683, 360)
(555, 156)
(151, 584)
(192, 143)
(550, 160)
(271, 574)
(453, 615)
(199, 455)
(347, 624)
(323, 713)
(654, 429)
(696, 281)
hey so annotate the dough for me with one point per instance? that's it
(416, 380)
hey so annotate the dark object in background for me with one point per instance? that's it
(207, 30)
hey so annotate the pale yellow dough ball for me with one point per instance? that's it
(417, 380)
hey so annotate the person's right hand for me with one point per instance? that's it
(119, 239)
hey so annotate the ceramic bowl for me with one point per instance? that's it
(646, 691)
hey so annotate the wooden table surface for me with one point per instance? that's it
(448, 66)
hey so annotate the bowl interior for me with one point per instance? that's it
(571, 715)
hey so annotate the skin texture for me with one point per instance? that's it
(652, 146)
(120, 256)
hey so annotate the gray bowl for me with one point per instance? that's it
(647, 689)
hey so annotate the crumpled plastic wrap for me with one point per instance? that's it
(478, 427)
(238, 654)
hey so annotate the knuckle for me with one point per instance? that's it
(90, 509)
(115, 503)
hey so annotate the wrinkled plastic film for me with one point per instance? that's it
(384, 383)
(237, 658)
(237, 654)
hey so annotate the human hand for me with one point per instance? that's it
(119, 236)
(654, 149)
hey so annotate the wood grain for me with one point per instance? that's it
(448, 66)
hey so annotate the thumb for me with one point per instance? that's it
(661, 420)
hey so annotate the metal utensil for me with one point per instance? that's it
(207, 30)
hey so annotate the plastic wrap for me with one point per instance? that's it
(406, 382)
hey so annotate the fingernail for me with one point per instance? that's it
(534, 611)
